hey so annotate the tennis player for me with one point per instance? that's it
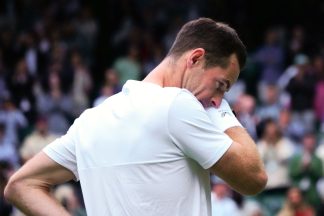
(149, 150)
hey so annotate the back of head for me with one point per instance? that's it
(216, 38)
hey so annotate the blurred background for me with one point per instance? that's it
(60, 57)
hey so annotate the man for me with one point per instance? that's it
(149, 149)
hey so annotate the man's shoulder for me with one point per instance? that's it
(144, 97)
(141, 90)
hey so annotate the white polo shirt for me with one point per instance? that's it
(144, 151)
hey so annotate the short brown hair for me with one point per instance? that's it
(218, 39)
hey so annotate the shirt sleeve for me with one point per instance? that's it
(63, 151)
(193, 132)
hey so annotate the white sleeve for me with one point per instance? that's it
(193, 132)
(62, 150)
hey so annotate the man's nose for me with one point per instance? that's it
(217, 100)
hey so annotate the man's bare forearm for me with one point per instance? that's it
(33, 200)
(250, 159)
(241, 166)
(29, 188)
(249, 148)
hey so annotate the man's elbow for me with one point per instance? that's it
(257, 184)
(11, 190)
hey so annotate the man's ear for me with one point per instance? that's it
(196, 57)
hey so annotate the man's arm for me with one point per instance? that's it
(29, 188)
(241, 166)
(217, 141)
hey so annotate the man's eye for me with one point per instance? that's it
(220, 86)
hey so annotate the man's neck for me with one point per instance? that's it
(167, 74)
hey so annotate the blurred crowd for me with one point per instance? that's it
(52, 69)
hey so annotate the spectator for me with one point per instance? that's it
(252, 208)
(21, 86)
(14, 121)
(305, 169)
(111, 79)
(36, 141)
(222, 203)
(109, 87)
(87, 28)
(275, 150)
(43, 46)
(301, 62)
(270, 106)
(245, 112)
(318, 65)
(8, 152)
(301, 89)
(297, 42)
(56, 105)
(82, 84)
(292, 130)
(295, 204)
(128, 67)
(270, 56)
(105, 92)
(30, 53)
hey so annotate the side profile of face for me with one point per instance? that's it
(210, 84)
(294, 196)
